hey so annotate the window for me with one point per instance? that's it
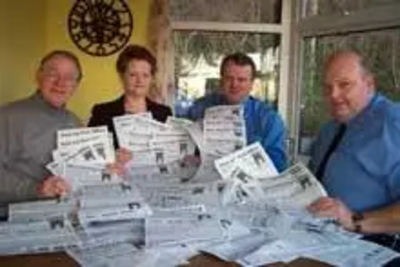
(207, 30)
(247, 11)
(378, 37)
(341, 7)
(198, 55)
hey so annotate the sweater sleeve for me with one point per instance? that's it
(16, 185)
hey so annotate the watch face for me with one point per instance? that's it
(100, 27)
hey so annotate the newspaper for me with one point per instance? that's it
(120, 254)
(228, 112)
(158, 149)
(167, 209)
(128, 211)
(79, 176)
(224, 129)
(237, 248)
(41, 209)
(206, 172)
(296, 187)
(172, 172)
(108, 195)
(113, 232)
(36, 237)
(254, 179)
(181, 146)
(243, 169)
(169, 230)
(190, 198)
(326, 246)
(153, 157)
(81, 156)
(356, 253)
(132, 134)
(272, 221)
(90, 144)
(179, 121)
(249, 162)
(56, 168)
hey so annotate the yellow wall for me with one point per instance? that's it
(22, 31)
(100, 81)
(41, 27)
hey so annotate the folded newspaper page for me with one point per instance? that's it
(168, 230)
(224, 129)
(41, 209)
(36, 237)
(94, 140)
(254, 179)
(295, 187)
(190, 187)
(249, 162)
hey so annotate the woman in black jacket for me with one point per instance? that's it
(136, 67)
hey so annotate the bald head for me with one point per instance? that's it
(349, 55)
(348, 85)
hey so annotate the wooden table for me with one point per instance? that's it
(63, 260)
(42, 260)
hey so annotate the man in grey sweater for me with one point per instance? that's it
(28, 131)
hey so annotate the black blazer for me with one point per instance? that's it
(103, 114)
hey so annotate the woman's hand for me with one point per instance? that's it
(122, 157)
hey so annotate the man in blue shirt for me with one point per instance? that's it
(263, 124)
(362, 174)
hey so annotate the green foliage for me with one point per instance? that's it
(382, 57)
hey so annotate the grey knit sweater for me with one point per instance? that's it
(27, 137)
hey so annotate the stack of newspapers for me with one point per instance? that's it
(158, 149)
(81, 156)
(224, 129)
(231, 203)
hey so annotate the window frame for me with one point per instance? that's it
(365, 20)
(283, 29)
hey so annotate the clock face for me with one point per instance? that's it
(100, 27)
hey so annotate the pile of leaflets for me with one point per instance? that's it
(158, 148)
(81, 156)
(224, 129)
(234, 204)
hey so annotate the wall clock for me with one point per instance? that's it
(100, 27)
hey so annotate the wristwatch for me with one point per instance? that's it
(356, 219)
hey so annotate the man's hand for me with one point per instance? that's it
(53, 186)
(333, 208)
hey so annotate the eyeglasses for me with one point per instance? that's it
(54, 76)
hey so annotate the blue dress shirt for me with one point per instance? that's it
(263, 124)
(364, 170)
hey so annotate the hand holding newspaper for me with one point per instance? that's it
(82, 155)
(254, 178)
(154, 218)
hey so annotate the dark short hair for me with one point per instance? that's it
(65, 54)
(240, 59)
(135, 52)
